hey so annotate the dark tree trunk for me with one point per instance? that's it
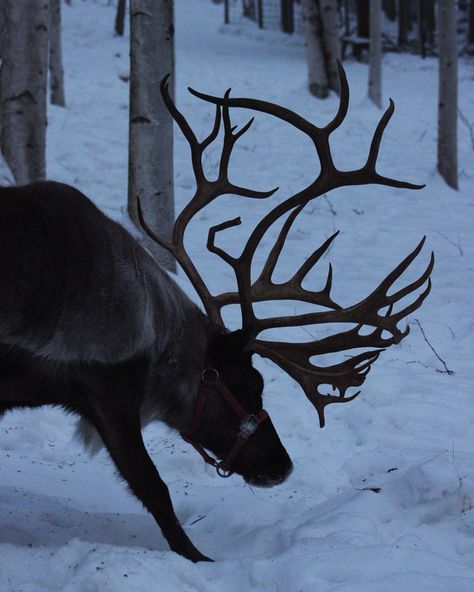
(404, 22)
(390, 9)
(56, 71)
(470, 31)
(249, 9)
(362, 8)
(422, 28)
(429, 14)
(287, 17)
(120, 18)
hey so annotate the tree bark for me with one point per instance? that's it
(56, 71)
(151, 126)
(23, 88)
(120, 18)
(331, 41)
(448, 89)
(375, 53)
(317, 75)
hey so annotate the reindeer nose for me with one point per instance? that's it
(271, 476)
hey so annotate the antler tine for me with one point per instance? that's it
(196, 149)
(399, 270)
(370, 165)
(414, 285)
(244, 295)
(265, 289)
(270, 264)
(215, 130)
(154, 237)
(343, 100)
(313, 259)
(174, 112)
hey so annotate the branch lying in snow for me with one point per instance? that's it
(446, 369)
(456, 245)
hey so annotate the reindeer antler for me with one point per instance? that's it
(296, 358)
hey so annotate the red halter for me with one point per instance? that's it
(248, 426)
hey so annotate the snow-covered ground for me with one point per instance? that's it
(383, 497)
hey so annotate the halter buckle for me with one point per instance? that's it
(209, 375)
(223, 469)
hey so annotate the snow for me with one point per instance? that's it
(383, 497)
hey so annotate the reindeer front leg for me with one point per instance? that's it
(118, 423)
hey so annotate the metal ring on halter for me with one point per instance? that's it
(223, 469)
(214, 373)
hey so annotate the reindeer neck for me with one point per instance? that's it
(178, 358)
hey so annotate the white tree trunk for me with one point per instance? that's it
(331, 40)
(23, 88)
(151, 126)
(56, 72)
(448, 93)
(313, 34)
(375, 53)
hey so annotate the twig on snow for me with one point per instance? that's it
(456, 245)
(446, 369)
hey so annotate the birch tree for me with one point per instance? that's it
(23, 88)
(323, 45)
(331, 40)
(448, 93)
(317, 75)
(56, 72)
(151, 127)
(375, 53)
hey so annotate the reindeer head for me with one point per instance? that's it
(373, 320)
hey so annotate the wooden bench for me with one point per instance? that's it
(358, 44)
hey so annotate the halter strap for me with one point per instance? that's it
(249, 423)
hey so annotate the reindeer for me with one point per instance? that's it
(90, 322)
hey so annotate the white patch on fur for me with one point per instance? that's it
(88, 436)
